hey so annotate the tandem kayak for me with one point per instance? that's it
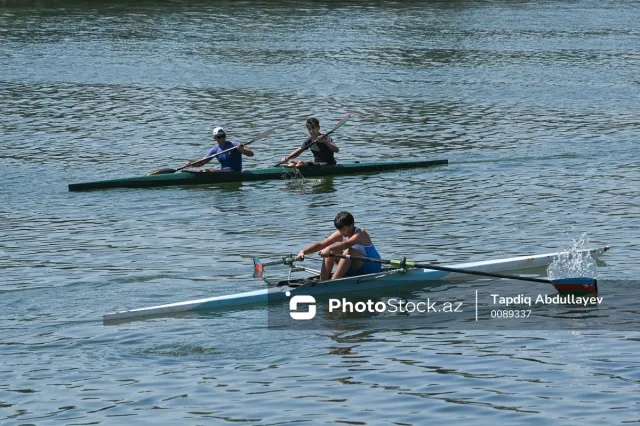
(273, 173)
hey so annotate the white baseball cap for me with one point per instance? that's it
(218, 131)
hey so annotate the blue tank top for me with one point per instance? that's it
(367, 251)
(231, 160)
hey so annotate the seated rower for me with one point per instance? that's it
(322, 148)
(230, 161)
(348, 239)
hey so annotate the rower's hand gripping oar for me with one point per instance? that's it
(258, 266)
(584, 285)
(339, 124)
(256, 138)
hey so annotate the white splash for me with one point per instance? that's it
(572, 262)
(291, 173)
(294, 180)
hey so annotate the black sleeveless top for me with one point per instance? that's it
(321, 153)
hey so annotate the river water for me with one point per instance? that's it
(534, 104)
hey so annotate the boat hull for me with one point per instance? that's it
(273, 173)
(369, 282)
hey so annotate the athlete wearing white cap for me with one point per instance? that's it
(229, 161)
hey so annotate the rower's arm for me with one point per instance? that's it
(334, 238)
(343, 245)
(296, 152)
(198, 163)
(329, 143)
(244, 150)
(313, 248)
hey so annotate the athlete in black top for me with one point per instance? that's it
(322, 148)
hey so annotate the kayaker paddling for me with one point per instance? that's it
(229, 161)
(320, 145)
(347, 240)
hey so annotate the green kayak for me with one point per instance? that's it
(273, 173)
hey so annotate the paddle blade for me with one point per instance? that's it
(581, 285)
(264, 134)
(161, 171)
(343, 121)
(258, 268)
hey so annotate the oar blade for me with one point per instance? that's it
(164, 171)
(579, 285)
(258, 268)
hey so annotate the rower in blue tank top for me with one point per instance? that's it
(348, 239)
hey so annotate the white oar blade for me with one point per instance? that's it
(265, 134)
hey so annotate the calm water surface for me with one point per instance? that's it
(534, 103)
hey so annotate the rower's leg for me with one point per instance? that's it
(327, 267)
(355, 264)
(345, 264)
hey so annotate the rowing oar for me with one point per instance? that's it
(339, 124)
(564, 285)
(257, 138)
(258, 266)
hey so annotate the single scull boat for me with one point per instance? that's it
(312, 286)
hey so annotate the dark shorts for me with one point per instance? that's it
(366, 268)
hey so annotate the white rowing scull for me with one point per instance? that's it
(312, 286)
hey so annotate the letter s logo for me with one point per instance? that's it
(293, 307)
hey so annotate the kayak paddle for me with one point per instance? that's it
(339, 124)
(256, 138)
(563, 285)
